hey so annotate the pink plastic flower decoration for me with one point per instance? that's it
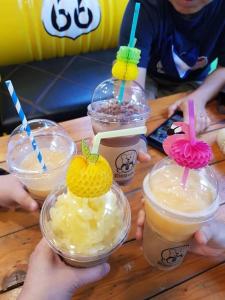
(192, 156)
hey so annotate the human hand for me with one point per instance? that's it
(48, 277)
(208, 241)
(140, 223)
(143, 157)
(13, 193)
(202, 120)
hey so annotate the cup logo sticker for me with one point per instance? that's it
(173, 256)
(125, 163)
(70, 18)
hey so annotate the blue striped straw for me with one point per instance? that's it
(25, 124)
(131, 44)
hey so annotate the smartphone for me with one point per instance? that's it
(156, 138)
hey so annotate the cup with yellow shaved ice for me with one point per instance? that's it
(57, 149)
(85, 220)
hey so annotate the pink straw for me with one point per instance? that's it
(185, 176)
(191, 113)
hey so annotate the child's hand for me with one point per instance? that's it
(13, 194)
(48, 277)
(201, 118)
(208, 241)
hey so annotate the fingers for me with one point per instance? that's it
(43, 249)
(212, 234)
(143, 156)
(25, 200)
(200, 237)
(172, 108)
(43, 246)
(202, 122)
(90, 275)
(185, 115)
(140, 225)
(41, 254)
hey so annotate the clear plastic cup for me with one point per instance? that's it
(57, 149)
(107, 114)
(169, 230)
(94, 254)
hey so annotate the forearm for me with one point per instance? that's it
(210, 87)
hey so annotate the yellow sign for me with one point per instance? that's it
(35, 29)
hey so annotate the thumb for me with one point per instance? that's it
(24, 199)
(143, 156)
(90, 275)
(212, 234)
(185, 114)
(172, 108)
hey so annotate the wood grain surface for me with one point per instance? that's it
(131, 278)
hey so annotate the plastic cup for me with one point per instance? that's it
(92, 256)
(107, 114)
(168, 231)
(57, 149)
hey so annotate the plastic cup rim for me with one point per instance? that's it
(31, 172)
(98, 117)
(79, 257)
(202, 216)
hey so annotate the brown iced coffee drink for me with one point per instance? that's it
(108, 114)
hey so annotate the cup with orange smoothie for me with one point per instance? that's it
(87, 219)
(57, 149)
(174, 212)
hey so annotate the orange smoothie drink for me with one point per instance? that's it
(57, 149)
(173, 212)
(40, 188)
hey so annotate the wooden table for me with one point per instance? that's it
(131, 277)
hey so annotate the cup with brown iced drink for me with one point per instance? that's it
(108, 114)
(57, 149)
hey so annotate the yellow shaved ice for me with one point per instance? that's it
(86, 226)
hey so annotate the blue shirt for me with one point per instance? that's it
(176, 46)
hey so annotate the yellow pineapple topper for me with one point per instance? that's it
(89, 175)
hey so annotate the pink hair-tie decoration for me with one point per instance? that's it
(184, 148)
